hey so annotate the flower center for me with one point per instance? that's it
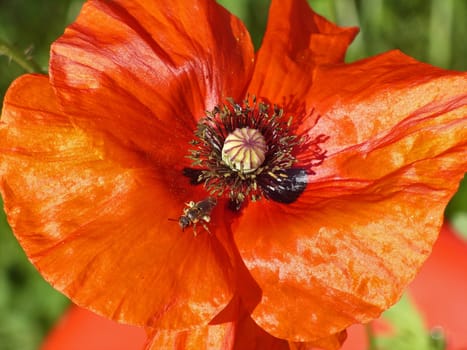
(244, 150)
(249, 151)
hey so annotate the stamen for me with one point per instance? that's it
(244, 150)
(249, 151)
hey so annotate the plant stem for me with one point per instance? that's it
(371, 337)
(19, 57)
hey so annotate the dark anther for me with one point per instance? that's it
(284, 186)
(234, 205)
(194, 175)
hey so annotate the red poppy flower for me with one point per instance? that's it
(315, 188)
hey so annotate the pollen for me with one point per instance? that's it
(244, 150)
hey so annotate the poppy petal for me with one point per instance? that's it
(358, 101)
(346, 249)
(145, 71)
(296, 40)
(93, 219)
(238, 335)
(223, 337)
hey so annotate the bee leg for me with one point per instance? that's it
(206, 227)
(195, 233)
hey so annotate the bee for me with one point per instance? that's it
(198, 212)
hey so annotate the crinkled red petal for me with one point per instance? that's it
(296, 41)
(367, 220)
(357, 102)
(94, 219)
(237, 335)
(145, 71)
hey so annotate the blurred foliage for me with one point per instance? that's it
(429, 30)
(457, 209)
(28, 305)
(407, 330)
(30, 26)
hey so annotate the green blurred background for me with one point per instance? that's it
(431, 31)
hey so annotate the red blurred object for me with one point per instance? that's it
(439, 291)
(81, 329)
